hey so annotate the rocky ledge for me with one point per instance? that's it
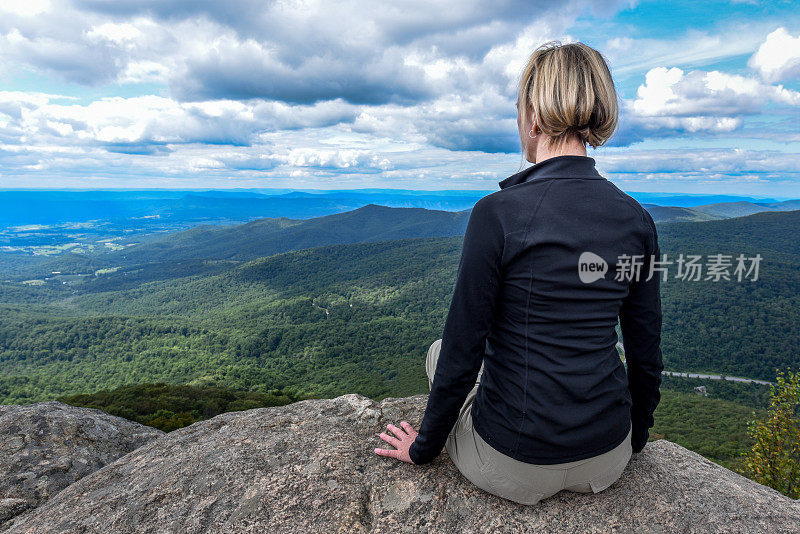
(45, 447)
(309, 467)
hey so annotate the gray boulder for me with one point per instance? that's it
(45, 447)
(309, 467)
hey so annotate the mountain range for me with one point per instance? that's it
(343, 303)
(264, 237)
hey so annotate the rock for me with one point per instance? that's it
(45, 447)
(12, 507)
(309, 467)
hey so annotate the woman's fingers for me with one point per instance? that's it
(386, 452)
(391, 440)
(397, 431)
(402, 442)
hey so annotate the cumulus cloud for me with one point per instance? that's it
(672, 101)
(778, 57)
(688, 170)
(700, 161)
(131, 122)
(302, 51)
(337, 159)
(425, 72)
(484, 121)
(25, 8)
(229, 68)
(84, 48)
(699, 93)
(332, 89)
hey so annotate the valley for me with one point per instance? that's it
(349, 302)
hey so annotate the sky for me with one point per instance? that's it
(102, 94)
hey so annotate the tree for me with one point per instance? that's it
(775, 457)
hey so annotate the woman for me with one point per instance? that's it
(528, 392)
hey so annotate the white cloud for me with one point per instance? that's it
(144, 71)
(420, 91)
(154, 119)
(671, 92)
(699, 161)
(358, 50)
(672, 102)
(26, 8)
(698, 170)
(337, 159)
(120, 34)
(778, 57)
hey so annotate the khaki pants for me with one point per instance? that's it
(519, 481)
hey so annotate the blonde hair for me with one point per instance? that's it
(570, 91)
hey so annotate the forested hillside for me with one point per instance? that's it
(265, 237)
(198, 250)
(344, 318)
(662, 214)
(357, 318)
(745, 328)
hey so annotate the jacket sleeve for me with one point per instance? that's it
(466, 327)
(640, 324)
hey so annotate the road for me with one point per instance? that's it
(711, 377)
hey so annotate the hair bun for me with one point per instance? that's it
(570, 91)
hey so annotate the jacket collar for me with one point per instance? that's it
(556, 167)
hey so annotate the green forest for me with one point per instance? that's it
(358, 318)
(168, 407)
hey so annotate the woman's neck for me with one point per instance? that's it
(570, 147)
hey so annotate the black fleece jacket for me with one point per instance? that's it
(534, 303)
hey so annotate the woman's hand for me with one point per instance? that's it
(401, 443)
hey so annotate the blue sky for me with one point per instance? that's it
(408, 94)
